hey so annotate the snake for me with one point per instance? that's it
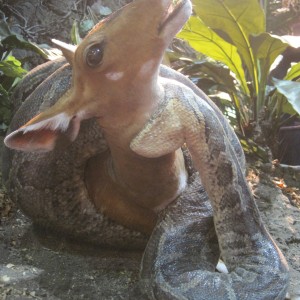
(212, 214)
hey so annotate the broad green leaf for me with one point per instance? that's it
(219, 78)
(14, 41)
(206, 41)
(279, 105)
(11, 41)
(11, 67)
(218, 73)
(291, 90)
(293, 73)
(286, 107)
(223, 82)
(266, 48)
(237, 19)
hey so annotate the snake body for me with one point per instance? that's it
(50, 187)
(214, 214)
(257, 269)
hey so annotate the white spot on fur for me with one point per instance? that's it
(60, 122)
(147, 68)
(114, 75)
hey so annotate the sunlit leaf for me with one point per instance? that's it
(75, 36)
(293, 73)
(291, 90)
(206, 41)
(266, 48)
(11, 67)
(237, 20)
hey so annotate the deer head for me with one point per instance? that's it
(116, 63)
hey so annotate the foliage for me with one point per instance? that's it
(93, 16)
(11, 70)
(234, 33)
(290, 89)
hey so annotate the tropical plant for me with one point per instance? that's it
(233, 34)
(93, 15)
(11, 70)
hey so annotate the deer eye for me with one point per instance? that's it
(94, 55)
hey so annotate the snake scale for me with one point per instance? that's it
(153, 156)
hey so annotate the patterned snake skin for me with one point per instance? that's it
(257, 269)
(50, 187)
(214, 215)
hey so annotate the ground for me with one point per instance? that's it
(35, 266)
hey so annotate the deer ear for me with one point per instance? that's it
(42, 135)
(67, 50)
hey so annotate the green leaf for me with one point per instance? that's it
(291, 90)
(75, 36)
(293, 73)
(206, 41)
(250, 147)
(14, 41)
(238, 19)
(218, 73)
(266, 48)
(11, 67)
(219, 79)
